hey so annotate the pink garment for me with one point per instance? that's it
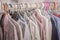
(9, 28)
(41, 26)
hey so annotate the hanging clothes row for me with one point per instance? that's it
(29, 25)
(33, 24)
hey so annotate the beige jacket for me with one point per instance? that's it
(33, 29)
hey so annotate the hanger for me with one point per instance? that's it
(38, 11)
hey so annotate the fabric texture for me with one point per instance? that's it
(9, 29)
